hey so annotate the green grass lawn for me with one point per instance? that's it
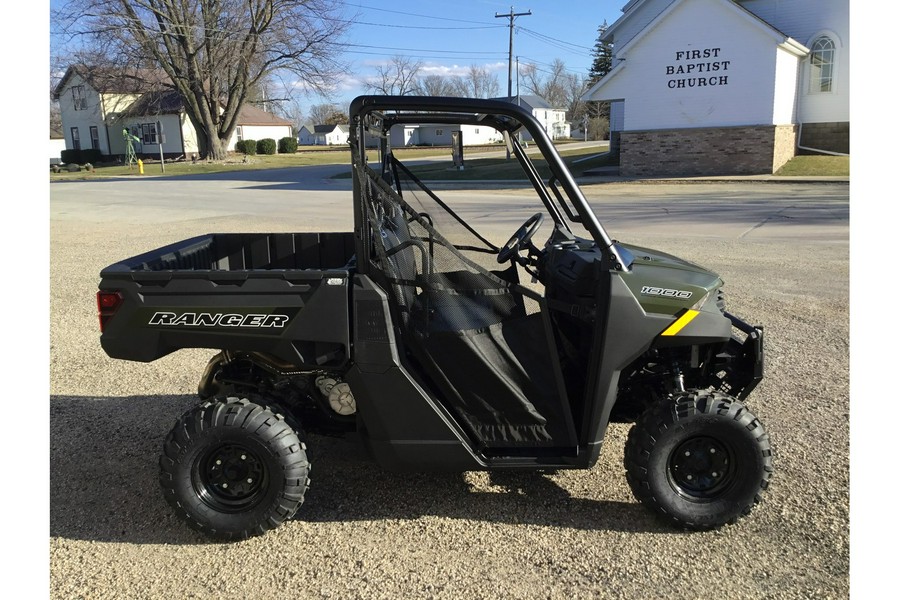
(502, 169)
(490, 169)
(816, 166)
(476, 168)
(309, 155)
(234, 163)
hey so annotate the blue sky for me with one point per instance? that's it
(447, 37)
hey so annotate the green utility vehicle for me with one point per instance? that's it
(440, 349)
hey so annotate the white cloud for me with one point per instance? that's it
(459, 70)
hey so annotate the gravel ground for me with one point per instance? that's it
(367, 533)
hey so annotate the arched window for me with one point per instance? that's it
(821, 61)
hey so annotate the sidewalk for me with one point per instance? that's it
(600, 179)
(611, 175)
(585, 180)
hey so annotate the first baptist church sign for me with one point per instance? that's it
(695, 62)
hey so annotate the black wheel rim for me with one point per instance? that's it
(701, 468)
(230, 478)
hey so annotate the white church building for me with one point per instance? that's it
(709, 87)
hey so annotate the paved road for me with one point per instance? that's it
(364, 533)
(310, 197)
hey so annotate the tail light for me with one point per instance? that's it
(107, 305)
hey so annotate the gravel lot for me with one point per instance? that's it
(367, 533)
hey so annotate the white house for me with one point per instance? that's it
(98, 106)
(306, 136)
(442, 135)
(552, 119)
(726, 86)
(257, 124)
(324, 135)
(57, 145)
(91, 98)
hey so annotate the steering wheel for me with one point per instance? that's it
(520, 238)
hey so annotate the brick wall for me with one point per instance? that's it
(834, 137)
(785, 145)
(745, 150)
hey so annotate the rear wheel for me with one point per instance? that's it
(700, 459)
(233, 468)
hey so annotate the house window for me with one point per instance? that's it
(240, 133)
(821, 60)
(78, 98)
(477, 130)
(76, 141)
(95, 138)
(148, 133)
(438, 132)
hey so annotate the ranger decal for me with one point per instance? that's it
(217, 320)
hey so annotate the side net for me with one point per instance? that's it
(481, 343)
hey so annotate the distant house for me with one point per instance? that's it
(257, 124)
(91, 99)
(552, 119)
(331, 135)
(441, 135)
(57, 145)
(324, 135)
(306, 136)
(99, 105)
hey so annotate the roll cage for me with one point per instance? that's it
(372, 117)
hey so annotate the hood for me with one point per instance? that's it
(664, 283)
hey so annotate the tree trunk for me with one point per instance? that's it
(216, 149)
(209, 146)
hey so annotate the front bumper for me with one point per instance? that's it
(743, 360)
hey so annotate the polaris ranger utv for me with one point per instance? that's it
(422, 336)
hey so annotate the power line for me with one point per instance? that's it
(424, 56)
(532, 61)
(426, 27)
(482, 52)
(397, 12)
(549, 39)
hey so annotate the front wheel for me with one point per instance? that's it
(232, 468)
(700, 459)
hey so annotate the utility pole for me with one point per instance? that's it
(517, 80)
(512, 18)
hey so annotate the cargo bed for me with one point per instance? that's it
(286, 294)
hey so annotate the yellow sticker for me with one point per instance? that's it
(681, 323)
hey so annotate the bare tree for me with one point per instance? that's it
(550, 83)
(55, 116)
(399, 77)
(292, 110)
(479, 82)
(437, 85)
(328, 114)
(559, 87)
(214, 53)
(576, 86)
